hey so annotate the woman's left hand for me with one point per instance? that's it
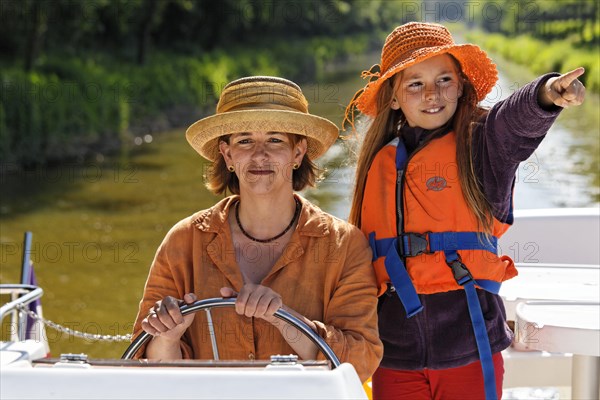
(563, 91)
(255, 301)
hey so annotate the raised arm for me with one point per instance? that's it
(514, 128)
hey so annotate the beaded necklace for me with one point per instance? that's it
(237, 218)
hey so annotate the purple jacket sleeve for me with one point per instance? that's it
(508, 135)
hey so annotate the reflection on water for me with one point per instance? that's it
(96, 225)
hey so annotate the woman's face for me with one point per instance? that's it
(263, 161)
(428, 92)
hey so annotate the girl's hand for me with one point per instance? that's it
(165, 319)
(563, 91)
(255, 301)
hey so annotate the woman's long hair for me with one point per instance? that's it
(382, 131)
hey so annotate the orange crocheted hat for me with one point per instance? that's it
(414, 42)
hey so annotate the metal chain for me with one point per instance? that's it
(64, 329)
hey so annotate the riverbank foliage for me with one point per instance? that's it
(544, 35)
(542, 57)
(69, 107)
(86, 77)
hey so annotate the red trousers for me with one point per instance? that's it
(461, 383)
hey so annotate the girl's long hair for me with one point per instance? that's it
(382, 131)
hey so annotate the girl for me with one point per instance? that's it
(433, 193)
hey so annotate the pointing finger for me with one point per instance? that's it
(565, 80)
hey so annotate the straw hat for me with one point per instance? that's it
(414, 42)
(261, 103)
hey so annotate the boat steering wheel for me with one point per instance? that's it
(208, 304)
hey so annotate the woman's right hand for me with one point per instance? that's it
(165, 319)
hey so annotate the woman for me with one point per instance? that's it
(264, 245)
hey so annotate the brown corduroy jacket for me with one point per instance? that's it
(325, 274)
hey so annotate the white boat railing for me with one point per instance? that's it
(20, 295)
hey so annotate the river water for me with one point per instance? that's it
(96, 225)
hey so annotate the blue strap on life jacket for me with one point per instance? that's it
(410, 245)
(413, 244)
(401, 280)
(463, 277)
(489, 285)
(394, 263)
(401, 155)
(443, 241)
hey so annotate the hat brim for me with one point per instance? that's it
(475, 64)
(203, 135)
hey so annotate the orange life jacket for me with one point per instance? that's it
(425, 238)
(432, 201)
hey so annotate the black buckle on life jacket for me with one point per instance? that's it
(418, 243)
(461, 273)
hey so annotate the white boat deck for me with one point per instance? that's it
(554, 302)
(82, 381)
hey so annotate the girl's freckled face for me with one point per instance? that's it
(428, 92)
